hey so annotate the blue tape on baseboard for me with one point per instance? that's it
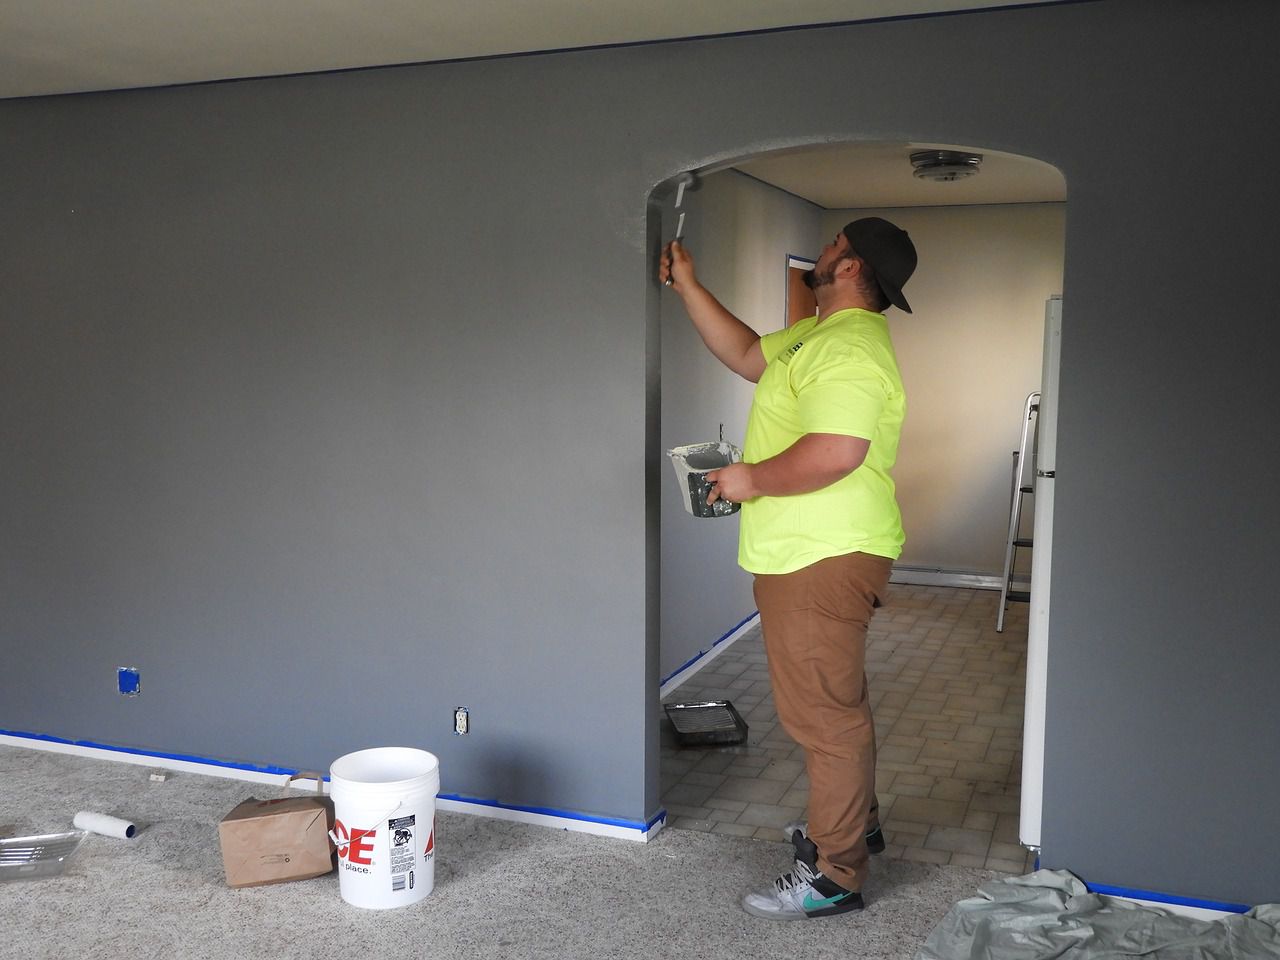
(287, 771)
(189, 758)
(702, 653)
(1109, 891)
(740, 624)
(684, 666)
(559, 814)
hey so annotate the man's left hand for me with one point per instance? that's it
(733, 483)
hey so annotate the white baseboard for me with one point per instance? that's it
(1178, 909)
(706, 656)
(938, 577)
(601, 827)
(557, 819)
(138, 758)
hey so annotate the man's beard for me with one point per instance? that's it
(813, 280)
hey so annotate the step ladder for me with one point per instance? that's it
(1022, 486)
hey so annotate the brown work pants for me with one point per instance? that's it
(815, 630)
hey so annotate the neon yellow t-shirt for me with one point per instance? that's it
(839, 376)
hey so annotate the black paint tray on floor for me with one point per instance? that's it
(710, 723)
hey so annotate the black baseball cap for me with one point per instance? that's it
(890, 252)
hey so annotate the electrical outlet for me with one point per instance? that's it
(129, 681)
(461, 721)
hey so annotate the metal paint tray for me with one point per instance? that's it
(708, 723)
(28, 858)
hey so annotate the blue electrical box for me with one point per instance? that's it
(129, 680)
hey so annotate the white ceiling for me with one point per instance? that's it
(73, 46)
(867, 175)
(67, 46)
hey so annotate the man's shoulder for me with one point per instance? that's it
(847, 333)
(862, 331)
(777, 341)
(850, 349)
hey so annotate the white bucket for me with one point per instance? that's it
(384, 803)
(692, 463)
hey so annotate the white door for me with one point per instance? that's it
(1041, 556)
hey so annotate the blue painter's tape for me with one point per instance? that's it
(736, 627)
(189, 758)
(552, 812)
(641, 826)
(702, 653)
(1109, 891)
(684, 666)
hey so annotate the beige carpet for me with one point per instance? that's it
(502, 889)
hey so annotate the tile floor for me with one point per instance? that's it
(947, 692)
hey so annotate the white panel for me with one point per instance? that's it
(1041, 556)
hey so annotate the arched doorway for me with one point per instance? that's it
(991, 255)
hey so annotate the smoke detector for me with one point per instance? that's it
(945, 165)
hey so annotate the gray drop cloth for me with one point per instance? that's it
(1050, 914)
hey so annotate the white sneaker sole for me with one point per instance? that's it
(763, 907)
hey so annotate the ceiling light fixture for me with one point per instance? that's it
(945, 165)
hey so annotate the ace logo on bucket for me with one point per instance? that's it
(355, 847)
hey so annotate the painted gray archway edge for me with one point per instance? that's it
(267, 215)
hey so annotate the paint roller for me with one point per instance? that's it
(105, 825)
(686, 181)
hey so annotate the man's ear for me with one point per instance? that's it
(849, 268)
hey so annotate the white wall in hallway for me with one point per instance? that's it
(970, 353)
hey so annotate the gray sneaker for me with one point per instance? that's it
(804, 893)
(875, 836)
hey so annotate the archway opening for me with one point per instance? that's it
(947, 688)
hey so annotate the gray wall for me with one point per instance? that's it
(320, 410)
(330, 402)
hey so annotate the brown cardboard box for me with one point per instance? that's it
(270, 841)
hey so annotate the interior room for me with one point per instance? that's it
(337, 392)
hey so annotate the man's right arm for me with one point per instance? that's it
(732, 342)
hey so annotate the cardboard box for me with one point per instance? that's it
(270, 841)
